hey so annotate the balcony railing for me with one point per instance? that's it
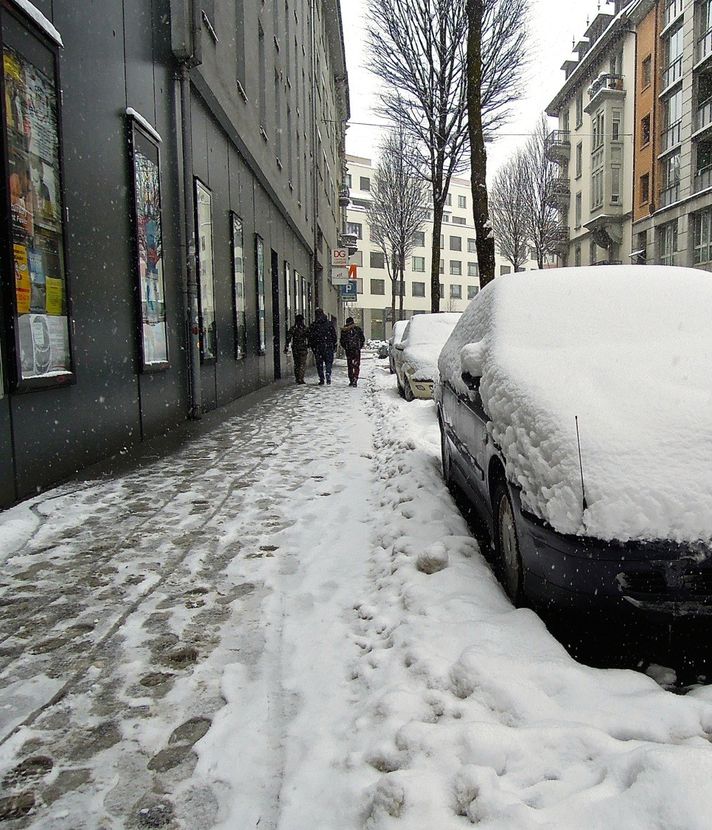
(704, 46)
(703, 117)
(607, 81)
(672, 135)
(703, 179)
(561, 189)
(670, 194)
(560, 237)
(673, 9)
(558, 144)
(672, 73)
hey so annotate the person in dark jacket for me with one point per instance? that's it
(322, 340)
(352, 341)
(298, 336)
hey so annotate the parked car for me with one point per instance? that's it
(416, 355)
(393, 340)
(574, 410)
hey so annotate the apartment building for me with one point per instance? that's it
(672, 221)
(593, 144)
(170, 186)
(458, 264)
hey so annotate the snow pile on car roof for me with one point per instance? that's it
(427, 334)
(627, 349)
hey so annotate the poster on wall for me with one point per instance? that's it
(41, 304)
(149, 252)
(260, 261)
(238, 276)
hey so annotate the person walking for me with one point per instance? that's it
(322, 340)
(352, 341)
(298, 336)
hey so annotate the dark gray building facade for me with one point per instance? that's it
(170, 195)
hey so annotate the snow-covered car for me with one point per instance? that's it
(416, 355)
(396, 336)
(575, 409)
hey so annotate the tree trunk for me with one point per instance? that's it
(478, 154)
(435, 259)
(401, 288)
(394, 277)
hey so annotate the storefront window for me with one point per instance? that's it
(238, 276)
(289, 321)
(206, 296)
(149, 250)
(260, 272)
(36, 233)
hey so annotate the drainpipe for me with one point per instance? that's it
(186, 46)
(318, 299)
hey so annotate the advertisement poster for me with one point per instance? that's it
(238, 268)
(260, 250)
(36, 212)
(150, 260)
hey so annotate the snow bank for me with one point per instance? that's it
(627, 349)
(426, 335)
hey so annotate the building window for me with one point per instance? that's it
(206, 293)
(456, 267)
(455, 243)
(448, 200)
(645, 188)
(238, 282)
(442, 241)
(419, 263)
(459, 220)
(471, 246)
(645, 130)
(579, 160)
(442, 266)
(616, 118)
(462, 202)
(579, 110)
(417, 289)
(647, 71)
(577, 211)
(667, 243)
(671, 179)
(455, 292)
(442, 289)
(356, 228)
(703, 237)
(364, 183)
(472, 291)
(505, 269)
(672, 120)
(672, 48)
(577, 255)
(473, 269)
(615, 184)
(597, 179)
(378, 286)
(376, 259)
(419, 239)
(260, 281)
(348, 180)
(446, 218)
(592, 252)
(34, 228)
(599, 136)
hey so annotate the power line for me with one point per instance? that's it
(497, 134)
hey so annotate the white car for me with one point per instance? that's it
(416, 356)
(396, 336)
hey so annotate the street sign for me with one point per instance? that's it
(353, 271)
(339, 258)
(349, 291)
(339, 276)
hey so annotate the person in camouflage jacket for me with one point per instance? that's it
(352, 341)
(298, 336)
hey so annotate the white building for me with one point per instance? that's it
(459, 271)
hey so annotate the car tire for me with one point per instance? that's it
(509, 559)
(407, 391)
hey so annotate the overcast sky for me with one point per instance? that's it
(554, 23)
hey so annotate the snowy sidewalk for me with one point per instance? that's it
(286, 624)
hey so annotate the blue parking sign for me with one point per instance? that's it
(348, 291)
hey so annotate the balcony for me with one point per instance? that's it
(703, 179)
(560, 237)
(558, 145)
(671, 136)
(704, 46)
(669, 195)
(703, 117)
(672, 73)
(605, 86)
(561, 191)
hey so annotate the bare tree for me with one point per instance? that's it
(419, 49)
(509, 209)
(496, 59)
(399, 207)
(542, 182)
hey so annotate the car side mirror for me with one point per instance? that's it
(470, 382)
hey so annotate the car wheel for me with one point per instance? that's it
(445, 458)
(407, 391)
(509, 559)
